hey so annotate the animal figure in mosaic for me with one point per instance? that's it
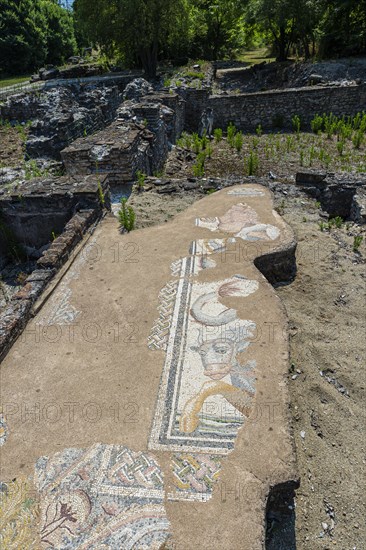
(243, 222)
(219, 355)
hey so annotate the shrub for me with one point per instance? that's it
(231, 131)
(317, 124)
(357, 241)
(218, 135)
(296, 123)
(252, 164)
(238, 141)
(126, 216)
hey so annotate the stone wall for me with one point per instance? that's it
(61, 115)
(33, 212)
(138, 140)
(276, 108)
(18, 311)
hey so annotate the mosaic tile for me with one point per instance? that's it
(102, 497)
(4, 430)
(194, 476)
(246, 192)
(242, 221)
(205, 392)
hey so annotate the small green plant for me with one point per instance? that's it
(210, 191)
(204, 141)
(199, 167)
(196, 143)
(318, 204)
(358, 139)
(289, 143)
(296, 124)
(259, 130)
(322, 226)
(231, 131)
(126, 215)
(301, 158)
(357, 241)
(141, 178)
(238, 141)
(218, 135)
(255, 142)
(32, 170)
(340, 147)
(209, 150)
(252, 164)
(338, 222)
(167, 83)
(317, 124)
(101, 194)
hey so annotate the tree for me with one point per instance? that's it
(34, 32)
(218, 27)
(23, 43)
(60, 37)
(139, 29)
(343, 28)
(278, 18)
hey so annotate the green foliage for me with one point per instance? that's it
(34, 32)
(296, 124)
(32, 170)
(218, 135)
(238, 141)
(317, 124)
(199, 167)
(101, 194)
(126, 216)
(136, 29)
(259, 130)
(252, 164)
(141, 178)
(357, 241)
(231, 132)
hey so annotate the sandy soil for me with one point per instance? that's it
(326, 309)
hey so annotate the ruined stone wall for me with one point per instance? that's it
(196, 101)
(61, 115)
(138, 140)
(276, 108)
(34, 212)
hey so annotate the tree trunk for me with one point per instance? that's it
(281, 43)
(149, 60)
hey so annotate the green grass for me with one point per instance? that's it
(15, 80)
(254, 57)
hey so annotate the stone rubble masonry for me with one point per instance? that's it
(276, 108)
(35, 209)
(340, 194)
(64, 196)
(137, 141)
(61, 115)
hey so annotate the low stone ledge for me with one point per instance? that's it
(18, 311)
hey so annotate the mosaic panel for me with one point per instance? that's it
(104, 497)
(246, 192)
(194, 476)
(242, 221)
(205, 392)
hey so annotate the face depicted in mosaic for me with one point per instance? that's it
(217, 358)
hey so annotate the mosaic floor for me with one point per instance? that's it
(108, 496)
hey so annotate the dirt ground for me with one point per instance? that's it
(326, 310)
